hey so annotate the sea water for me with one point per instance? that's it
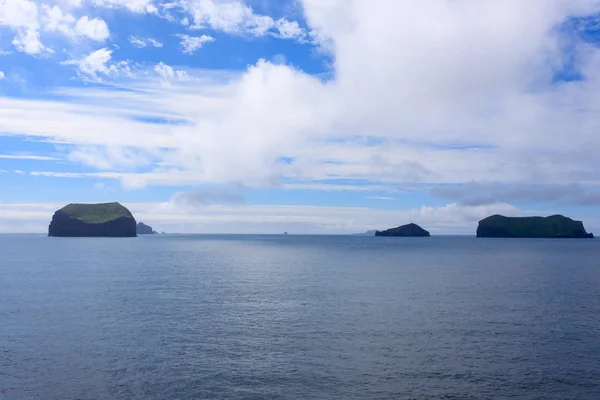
(299, 317)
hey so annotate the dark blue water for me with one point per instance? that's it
(292, 317)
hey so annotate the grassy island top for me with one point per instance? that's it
(96, 213)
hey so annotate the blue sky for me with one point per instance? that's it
(306, 116)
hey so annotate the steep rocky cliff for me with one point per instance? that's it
(555, 226)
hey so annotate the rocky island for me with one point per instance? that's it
(555, 226)
(93, 220)
(143, 229)
(410, 230)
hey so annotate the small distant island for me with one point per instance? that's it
(93, 220)
(143, 229)
(409, 230)
(367, 233)
(555, 226)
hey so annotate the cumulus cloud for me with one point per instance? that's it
(28, 20)
(189, 44)
(21, 16)
(2, 75)
(167, 73)
(289, 29)
(98, 63)
(95, 29)
(18, 14)
(55, 20)
(28, 41)
(236, 17)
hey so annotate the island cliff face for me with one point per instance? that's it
(93, 220)
(143, 229)
(410, 230)
(555, 226)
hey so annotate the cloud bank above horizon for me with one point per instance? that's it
(330, 114)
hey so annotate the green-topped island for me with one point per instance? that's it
(93, 220)
(555, 226)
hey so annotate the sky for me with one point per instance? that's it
(306, 116)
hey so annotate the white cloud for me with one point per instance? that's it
(421, 92)
(139, 6)
(26, 20)
(384, 198)
(98, 63)
(164, 70)
(18, 14)
(190, 44)
(28, 41)
(289, 29)
(27, 157)
(56, 20)
(167, 73)
(95, 29)
(144, 42)
(22, 17)
(228, 16)
(235, 17)
(137, 42)
(74, 3)
(2, 75)
(155, 43)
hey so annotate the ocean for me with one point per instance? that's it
(299, 317)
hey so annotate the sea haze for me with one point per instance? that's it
(298, 317)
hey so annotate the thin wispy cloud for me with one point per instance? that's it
(141, 43)
(27, 157)
(380, 198)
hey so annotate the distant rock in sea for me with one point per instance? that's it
(143, 229)
(410, 230)
(93, 220)
(367, 233)
(555, 226)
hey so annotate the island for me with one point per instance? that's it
(410, 230)
(367, 233)
(555, 226)
(93, 220)
(143, 229)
